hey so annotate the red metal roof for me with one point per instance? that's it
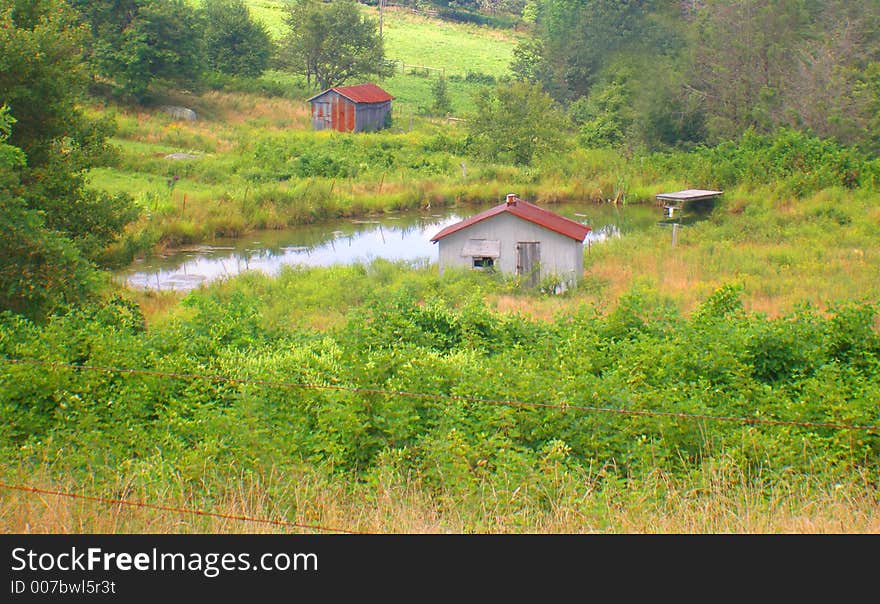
(360, 93)
(526, 211)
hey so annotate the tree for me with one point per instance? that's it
(868, 91)
(234, 43)
(42, 81)
(528, 62)
(332, 43)
(442, 106)
(766, 64)
(516, 123)
(580, 37)
(53, 227)
(41, 71)
(640, 102)
(603, 117)
(828, 92)
(10, 157)
(39, 269)
(743, 52)
(137, 43)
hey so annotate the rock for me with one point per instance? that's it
(181, 156)
(180, 113)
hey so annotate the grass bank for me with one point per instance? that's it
(715, 503)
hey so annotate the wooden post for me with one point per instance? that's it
(674, 233)
(381, 13)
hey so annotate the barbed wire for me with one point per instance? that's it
(178, 510)
(564, 407)
(451, 397)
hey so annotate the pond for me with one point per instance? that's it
(392, 236)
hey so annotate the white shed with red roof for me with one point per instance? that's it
(518, 238)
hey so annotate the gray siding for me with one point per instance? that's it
(560, 255)
(371, 116)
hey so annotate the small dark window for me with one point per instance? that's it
(483, 262)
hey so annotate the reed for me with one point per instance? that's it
(719, 501)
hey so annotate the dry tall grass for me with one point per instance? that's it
(713, 502)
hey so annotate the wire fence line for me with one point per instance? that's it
(361, 390)
(178, 510)
(416, 69)
(564, 407)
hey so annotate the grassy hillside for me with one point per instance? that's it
(423, 49)
(457, 48)
(469, 56)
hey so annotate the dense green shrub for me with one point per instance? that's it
(456, 394)
(260, 86)
(497, 20)
(795, 162)
(234, 42)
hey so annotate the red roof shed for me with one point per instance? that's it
(360, 108)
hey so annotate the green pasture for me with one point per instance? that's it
(458, 48)
(422, 50)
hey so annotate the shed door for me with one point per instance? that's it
(322, 117)
(528, 261)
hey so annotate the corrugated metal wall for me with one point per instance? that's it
(372, 116)
(343, 114)
(321, 115)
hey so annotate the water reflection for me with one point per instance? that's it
(401, 236)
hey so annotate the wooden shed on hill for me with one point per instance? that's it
(517, 237)
(360, 108)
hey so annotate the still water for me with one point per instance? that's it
(393, 236)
